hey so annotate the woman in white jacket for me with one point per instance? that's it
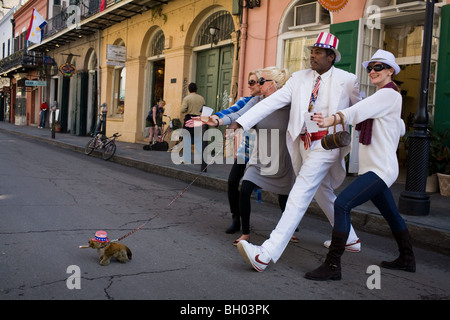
(379, 119)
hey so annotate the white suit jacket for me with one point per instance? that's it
(344, 92)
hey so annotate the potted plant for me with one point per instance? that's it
(439, 159)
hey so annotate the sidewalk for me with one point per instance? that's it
(431, 231)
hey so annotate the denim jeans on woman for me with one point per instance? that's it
(368, 186)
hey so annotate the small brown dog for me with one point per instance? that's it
(106, 250)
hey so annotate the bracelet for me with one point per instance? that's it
(334, 119)
(217, 120)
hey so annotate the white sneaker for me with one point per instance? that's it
(255, 256)
(354, 246)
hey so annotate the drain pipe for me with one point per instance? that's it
(242, 76)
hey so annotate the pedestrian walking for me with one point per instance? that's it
(154, 121)
(322, 88)
(43, 114)
(191, 106)
(379, 119)
(225, 117)
(277, 175)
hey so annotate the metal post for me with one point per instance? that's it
(104, 110)
(414, 200)
(53, 119)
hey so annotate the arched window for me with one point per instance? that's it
(157, 44)
(222, 22)
(302, 22)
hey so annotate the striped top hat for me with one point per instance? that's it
(328, 41)
(101, 236)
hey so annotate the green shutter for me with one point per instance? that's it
(442, 108)
(347, 33)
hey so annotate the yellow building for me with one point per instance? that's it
(155, 56)
(131, 53)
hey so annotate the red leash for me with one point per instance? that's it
(174, 199)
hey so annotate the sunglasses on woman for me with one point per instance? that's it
(378, 67)
(261, 81)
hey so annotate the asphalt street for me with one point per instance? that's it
(53, 200)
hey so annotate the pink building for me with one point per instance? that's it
(278, 32)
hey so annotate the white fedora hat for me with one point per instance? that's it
(385, 57)
(328, 41)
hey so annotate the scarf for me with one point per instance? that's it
(365, 136)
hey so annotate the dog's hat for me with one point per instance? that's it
(328, 41)
(101, 236)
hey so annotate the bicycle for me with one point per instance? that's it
(108, 145)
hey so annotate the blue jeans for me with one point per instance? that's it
(368, 186)
(42, 118)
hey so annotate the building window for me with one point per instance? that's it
(302, 23)
(221, 20)
(157, 44)
(372, 41)
(296, 53)
(120, 76)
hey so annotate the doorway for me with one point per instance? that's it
(158, 82)
(214, 72)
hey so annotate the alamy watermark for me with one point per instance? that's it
(373, 14)
(74, 280)
(374, 280)
(263, 147)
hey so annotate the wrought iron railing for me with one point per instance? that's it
(68, 16)
(22, 58)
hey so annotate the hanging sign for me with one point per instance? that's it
(33, 83)
(333, 5)
(68, 69)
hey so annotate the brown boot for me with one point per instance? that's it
(406, 261)
(331, 268)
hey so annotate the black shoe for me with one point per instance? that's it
(331, 268)
(406, 261)
(235, 226)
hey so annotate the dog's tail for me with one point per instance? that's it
(129, 254)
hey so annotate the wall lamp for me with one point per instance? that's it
(214, 38)
(251, 3)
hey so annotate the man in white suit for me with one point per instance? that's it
(317, 169)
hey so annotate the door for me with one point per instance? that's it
(64, 113)
(225, 74)
(347, 33)
(442, 110)
(214, 71)
(207, 66)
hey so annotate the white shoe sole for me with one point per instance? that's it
(350, 247)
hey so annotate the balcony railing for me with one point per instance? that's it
(85, 9)
(22, 58)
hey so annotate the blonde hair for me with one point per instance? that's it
(277, 75)
(256, 73)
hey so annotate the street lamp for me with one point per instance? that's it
(414, 200)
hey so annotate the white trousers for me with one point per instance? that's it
(312, 181)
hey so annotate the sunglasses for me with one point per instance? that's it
(252, 82)
(378, 67)
(261, 81)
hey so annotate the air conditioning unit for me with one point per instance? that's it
(310, 14)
